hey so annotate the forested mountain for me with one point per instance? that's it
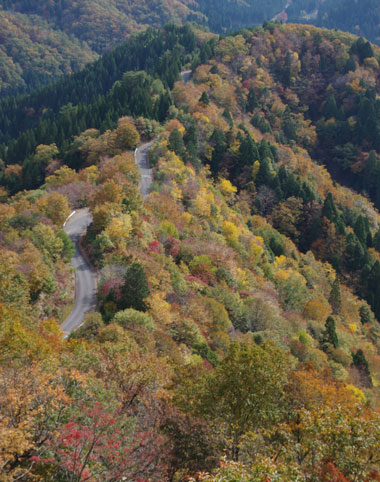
(228, 15)
(361, 17)
(32, 53)
(42, 40)
(118, 84)
(237, 333)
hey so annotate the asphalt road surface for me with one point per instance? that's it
(85, 282)
(186, 76)
(141, 157)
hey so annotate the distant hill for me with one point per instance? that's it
(39, 41)
(33, 53)
(361, 17)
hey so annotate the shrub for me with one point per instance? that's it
(92, 324)
(131, 318)
(168, 229)
(338, 355)
(298, 350)
(305, 338)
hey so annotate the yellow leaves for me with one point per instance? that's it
(371, 63)
(44, 238)
(176, 192)
(255, 170)
(356, 86)
(89, 174)
(44, 154)
(17, 342)
(201, 204)
(243, 281)
(63, 175)
(210, 197)
(168, 229)
(186, 218)
(6, 213)
(201, 74)
(256, 248)
(160, 309)
(280, 261)
(329, 271)
(13, 286)
(230, 232)
(282, 275)
(230, 47)
(109, 192)
(127, 136)
(227, 189)
(208, 152)
(173, 168)
(201, 117)
(175, 124)
(356, 392)
(353, 327)
(119, 230)
(102, 213)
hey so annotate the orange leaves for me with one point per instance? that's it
(55, 206)
(109, 192)
(316, 310)
(127, 136)
(13, 170)
(175, 124)
(312, 389)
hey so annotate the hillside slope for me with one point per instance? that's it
(238, 327)
(32, 53)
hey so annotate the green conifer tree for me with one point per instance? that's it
(204, 99)
(335, 298)
(329, 336)
(135, 289)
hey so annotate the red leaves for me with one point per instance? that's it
(330, 473)
(114, 285)
(154, 246)
(100, 444)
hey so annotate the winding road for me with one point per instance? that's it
(75, 227)
(141, 158)
(85, 281)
